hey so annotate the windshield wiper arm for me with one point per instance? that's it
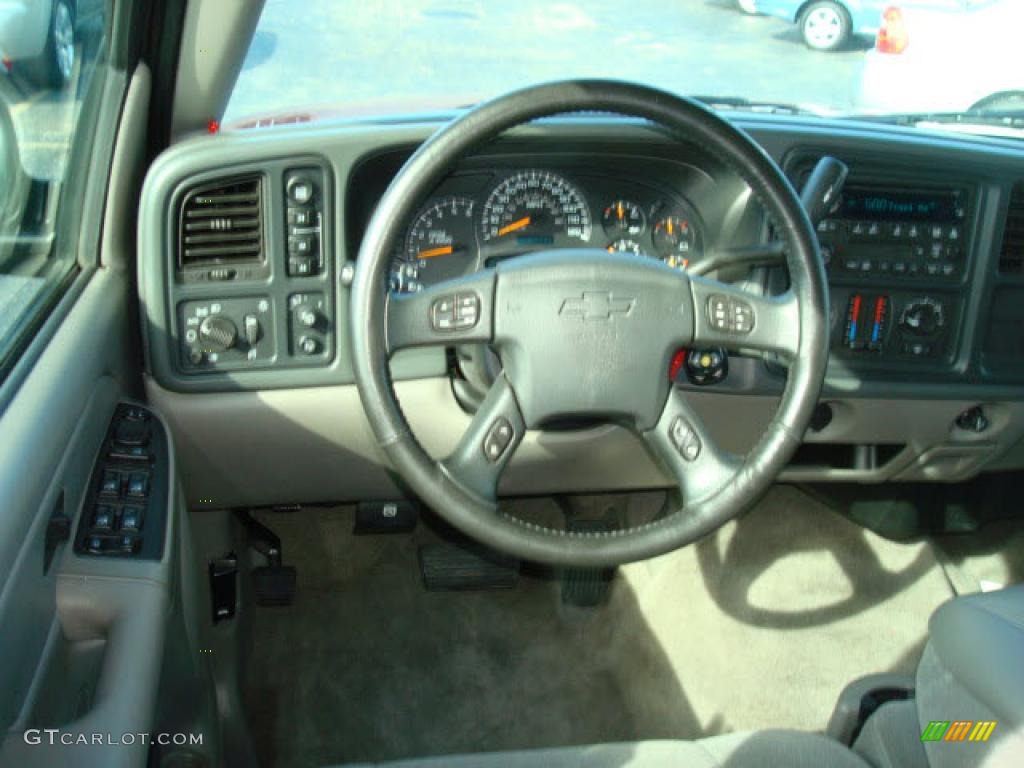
(739, 103)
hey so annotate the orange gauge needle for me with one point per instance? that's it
(517, 224)
(620, 211)
(443, 250)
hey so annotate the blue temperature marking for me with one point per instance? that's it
(852, 335)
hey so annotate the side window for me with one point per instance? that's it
(50, 53)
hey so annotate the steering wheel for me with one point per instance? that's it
(613, 319)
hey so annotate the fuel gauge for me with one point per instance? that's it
(623, 217)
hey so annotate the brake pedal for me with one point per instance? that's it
(273, 583)
(447, 567)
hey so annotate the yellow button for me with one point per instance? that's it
(705, 361)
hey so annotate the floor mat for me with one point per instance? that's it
(759, 625)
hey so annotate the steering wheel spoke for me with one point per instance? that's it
(727, 316)
(452, 312)
(486, 447)
(682, 443)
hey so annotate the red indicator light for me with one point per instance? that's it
(213, 126)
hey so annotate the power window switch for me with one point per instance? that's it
(103, 518)
(131, 519)
(128, 544)
(96, 544)
(110, 483)
(138, 485)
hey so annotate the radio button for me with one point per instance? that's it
(897, 230)
(913, 232)
(954, 233)
(899, 268)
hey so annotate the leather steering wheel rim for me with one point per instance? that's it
(804, 317)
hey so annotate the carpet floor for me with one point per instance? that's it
(760, 625)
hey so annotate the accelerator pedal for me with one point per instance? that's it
(274, 585)
(446, 567)
(586, 587)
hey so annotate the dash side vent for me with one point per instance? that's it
(1011, 254)
(222, 223)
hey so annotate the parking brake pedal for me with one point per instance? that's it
(448, 567)
(273, 583)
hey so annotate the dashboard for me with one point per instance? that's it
(248, 241)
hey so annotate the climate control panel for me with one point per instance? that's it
(893, 325)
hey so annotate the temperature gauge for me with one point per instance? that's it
(623, 217)
(675, 239)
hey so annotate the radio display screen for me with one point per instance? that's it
(898, 205)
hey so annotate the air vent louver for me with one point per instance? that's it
(222, 223)
(1011, 256)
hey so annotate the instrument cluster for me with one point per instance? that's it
(523, 211)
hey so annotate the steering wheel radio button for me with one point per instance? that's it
(498, 438)
(729, 314)
(455, 312)
(685, 439)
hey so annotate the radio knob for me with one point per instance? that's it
(218, 333)
(923, 317)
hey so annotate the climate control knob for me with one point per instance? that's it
(217, 333)
(922, 317)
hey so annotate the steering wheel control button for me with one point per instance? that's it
(685, 439)
(729, 314)
(498, 438)
(455, 312)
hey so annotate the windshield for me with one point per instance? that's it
(388, 57)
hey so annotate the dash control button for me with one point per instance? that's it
(685, 439)
(498, 438)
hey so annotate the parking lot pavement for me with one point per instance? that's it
(342, 52)
(44, 121)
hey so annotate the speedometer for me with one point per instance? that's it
(536, 208)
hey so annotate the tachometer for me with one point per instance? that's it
(441, 243)
(536, 208)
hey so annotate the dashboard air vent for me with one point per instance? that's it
(222, 223)
(1011, 255)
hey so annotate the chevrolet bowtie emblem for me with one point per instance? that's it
(596, 305)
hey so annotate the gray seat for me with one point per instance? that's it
(972, 670)
(759, 749)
